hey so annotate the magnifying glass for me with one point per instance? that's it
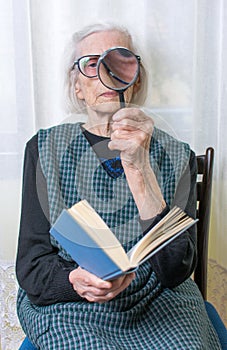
(118, 69)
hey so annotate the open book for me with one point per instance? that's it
(93, 246)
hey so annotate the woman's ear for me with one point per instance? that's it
(78, 91)
(136, 86)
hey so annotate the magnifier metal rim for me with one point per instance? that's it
(104, 55)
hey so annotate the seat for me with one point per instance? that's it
(205, 164)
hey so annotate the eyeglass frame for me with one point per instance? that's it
(76, 63)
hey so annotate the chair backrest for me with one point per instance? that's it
(204, 187)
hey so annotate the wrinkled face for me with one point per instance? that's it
(91, 90)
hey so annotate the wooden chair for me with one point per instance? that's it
(204, 187)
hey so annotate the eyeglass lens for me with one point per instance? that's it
(88, 65)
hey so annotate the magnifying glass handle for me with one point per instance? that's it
(122, 99)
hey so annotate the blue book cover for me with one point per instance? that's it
(82, 248)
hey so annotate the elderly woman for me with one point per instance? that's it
(132, 173)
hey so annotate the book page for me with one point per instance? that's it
(176, 220)
(140, 254)
(92, 222)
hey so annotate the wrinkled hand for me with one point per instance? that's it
(94, 289)
(131, 135)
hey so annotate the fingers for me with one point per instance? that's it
(131, 134)
(131, 119)
(85, 278)
(132, 113)
(95, 289)
(118, 285)
(131, 123)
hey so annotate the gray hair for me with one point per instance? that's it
(74, 105)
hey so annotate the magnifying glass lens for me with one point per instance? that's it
(118, 68)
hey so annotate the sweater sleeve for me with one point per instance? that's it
(176, 262)
(41, 272)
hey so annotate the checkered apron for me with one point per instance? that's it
(144, 316)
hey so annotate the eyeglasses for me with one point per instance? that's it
(88, 64)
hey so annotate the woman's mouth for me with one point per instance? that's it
(109, 94)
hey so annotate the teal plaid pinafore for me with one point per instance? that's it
(144, 316)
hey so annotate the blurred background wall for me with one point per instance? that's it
(184, 44)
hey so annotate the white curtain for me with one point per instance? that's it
(185, 46)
